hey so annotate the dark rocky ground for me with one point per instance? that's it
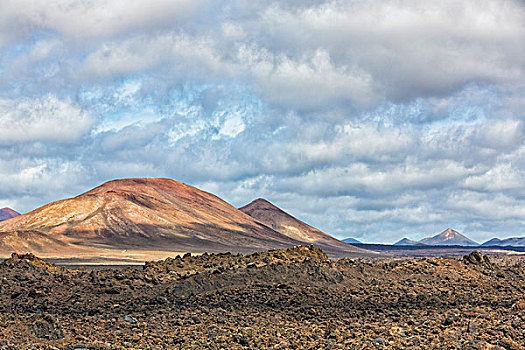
(287, 299)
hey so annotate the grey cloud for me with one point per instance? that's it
(95, 19)
(375, 119)
(305, 56)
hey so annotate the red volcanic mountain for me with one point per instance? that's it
(274, 217)
(7, 213)
(143, 214)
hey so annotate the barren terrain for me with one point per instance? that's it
(283, 299)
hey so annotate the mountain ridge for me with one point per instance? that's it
(351, 240)
(512, 241)
(142, 214)
(149, 213)
(406, 241)
(279, 220)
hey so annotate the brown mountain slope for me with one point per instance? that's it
(140, 214)
(44, 244)
(274, 217)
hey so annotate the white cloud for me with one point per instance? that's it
(45, 119)
(28, 182)
(233, 125)
(480, 206)
(308, 82)
(501, 177)
(501, 134)
(182, 56)
(361, 180)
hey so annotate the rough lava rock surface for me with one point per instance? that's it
(282, 299)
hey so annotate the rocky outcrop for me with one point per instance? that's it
(476, 258)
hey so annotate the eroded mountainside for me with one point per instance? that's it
(279, 220)
(146, 214)
(142, 214)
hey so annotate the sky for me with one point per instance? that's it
(368, 119)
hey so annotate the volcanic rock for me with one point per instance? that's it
(476, 258)
(27, 261)
(291, 299)
(46, 327)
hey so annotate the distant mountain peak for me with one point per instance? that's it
(261, 200)
(406, 241)
(512, 241)
(448, 237)
(8, 213)
(352, 240)
(8, 209)
(450, 233)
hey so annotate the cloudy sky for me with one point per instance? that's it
(371, 119)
